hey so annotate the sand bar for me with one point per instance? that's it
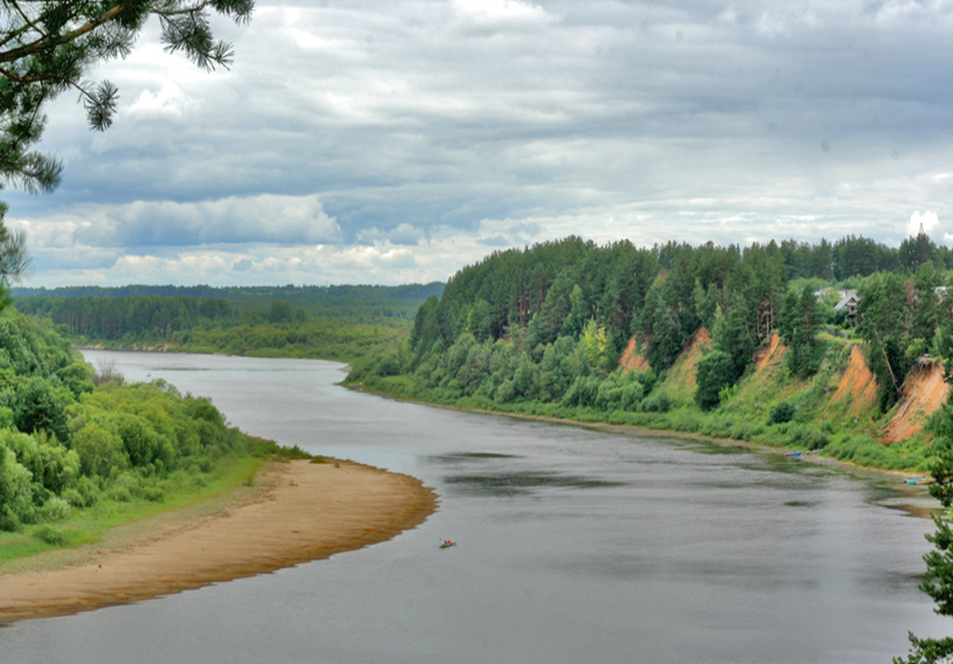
(299, 512)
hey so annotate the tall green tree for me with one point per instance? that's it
(801, 319)
(715, 372)
(884, 324)
(14, 259)
(915, 251)
(938, 580)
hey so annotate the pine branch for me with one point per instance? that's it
(52, 41)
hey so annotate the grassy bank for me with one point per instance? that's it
(835, 413)
(110, 522)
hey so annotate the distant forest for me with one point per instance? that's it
(334, 322)
(325, 301)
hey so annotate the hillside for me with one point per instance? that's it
(742, 343)
(840, 405)
(923, 393)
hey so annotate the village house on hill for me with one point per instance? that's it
(848, 302)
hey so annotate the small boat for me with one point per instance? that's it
(794, 454)
(919, 480)
(446, 544)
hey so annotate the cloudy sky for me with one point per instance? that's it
(393, 142)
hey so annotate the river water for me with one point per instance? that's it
(574, 545)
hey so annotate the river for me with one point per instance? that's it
(574, 545)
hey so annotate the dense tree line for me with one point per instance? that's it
(344, 301)
(149, 317)
(323, 338)
(548, 323)
(340, 322)
(66, 443)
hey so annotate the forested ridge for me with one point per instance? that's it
(541, 330)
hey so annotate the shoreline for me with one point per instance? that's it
(630, 430)
(845, 466)
(919, 503)
(301, 512)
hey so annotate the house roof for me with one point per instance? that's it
(848, 299)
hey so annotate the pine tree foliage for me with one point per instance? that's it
(47, 47)
(14, 259)
(938, 580)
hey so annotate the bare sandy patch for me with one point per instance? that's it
(923, 393)
(764, 354)
(631, 359)
(857, 384)
(302, 512)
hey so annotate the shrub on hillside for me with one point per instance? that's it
(781, 413)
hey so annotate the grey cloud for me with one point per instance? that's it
(367, 124)
(279, 219)
(405, 234)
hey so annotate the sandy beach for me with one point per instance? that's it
(298, 511)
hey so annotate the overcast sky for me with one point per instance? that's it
(396, 141)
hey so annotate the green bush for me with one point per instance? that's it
(746, 431)
(100, 450)
(153, 494)
(16, 492)
(808, 437)
(781, 413)
(82, 494)
(37, 406)
(657, 403)
(50, 535)
(55, 509)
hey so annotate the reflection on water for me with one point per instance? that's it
(800, 503)
(508, 484)
(463, 456)
(572, 545)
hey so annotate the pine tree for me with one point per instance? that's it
(47, 46)
(938, 580)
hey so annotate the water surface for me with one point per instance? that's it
(574, 545)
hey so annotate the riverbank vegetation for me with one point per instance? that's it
(81, 451)
(336, 322)
(821, 347)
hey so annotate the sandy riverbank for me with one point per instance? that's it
(298, 512)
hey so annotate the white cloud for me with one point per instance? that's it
(167, 104)
(500, 13)
(929, 222)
